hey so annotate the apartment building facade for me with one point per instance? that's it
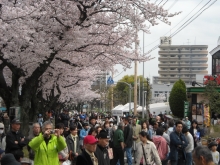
(181, 62)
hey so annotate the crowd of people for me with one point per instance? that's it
(88, 139)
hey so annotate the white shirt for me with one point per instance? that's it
(190, 145)
(215, 156)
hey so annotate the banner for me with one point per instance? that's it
(206, 115)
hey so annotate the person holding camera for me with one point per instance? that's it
(47, 145)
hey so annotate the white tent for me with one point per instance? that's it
(157, 108)
(118, 107)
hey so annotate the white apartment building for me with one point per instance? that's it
(181, 62)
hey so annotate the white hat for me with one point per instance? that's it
(2, 125)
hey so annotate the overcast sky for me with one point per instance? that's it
(204, 30)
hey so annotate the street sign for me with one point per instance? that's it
(186, 108)
(110, 81)
(117, 113)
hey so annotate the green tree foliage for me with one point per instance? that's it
(177, 98)
(121, 90)
(213, 96)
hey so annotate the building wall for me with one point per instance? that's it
(181, 62)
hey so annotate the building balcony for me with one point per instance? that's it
(185, 52)
(176, 78)
(192, 72)
(199, 59)
(170, 65)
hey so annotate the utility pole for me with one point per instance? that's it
(112, 104)
(143, 83)
(148, 98)
(135, 71)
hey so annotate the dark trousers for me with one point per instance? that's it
(177, 162)
(118, 154)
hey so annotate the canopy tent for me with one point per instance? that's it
(157, 108)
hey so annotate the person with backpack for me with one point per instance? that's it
(146, 153)
(161, 145)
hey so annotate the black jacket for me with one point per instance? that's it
(84, 159)
(70, 144)
(102, 155)
(64, 119)
(128, 133)
(11, 137)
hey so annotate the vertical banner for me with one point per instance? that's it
(206, 115)
(186, 108)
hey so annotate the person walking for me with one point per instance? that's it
(88, 156)
(190, 145)
(178, 144)
(128, 140)
(118, 145)
(136, 130)
(101, 149)
(47, 145)
(146, 151)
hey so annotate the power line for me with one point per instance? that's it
(177, 31)
(193, 15)
(164, 3)
(178, 22)
(193, 18)
(172, 4)
(118, 74)
(160, 2)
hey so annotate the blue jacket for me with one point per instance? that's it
(176, 141)
(83, 133)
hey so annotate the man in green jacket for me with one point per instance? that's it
(47, 145)
(118, 142)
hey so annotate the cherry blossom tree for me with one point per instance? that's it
(52, 49)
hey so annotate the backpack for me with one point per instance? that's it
(161, 151)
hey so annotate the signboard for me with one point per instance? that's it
(14, 112)
(186, 108)
(117, 113)
(110, 81)
(206, 115)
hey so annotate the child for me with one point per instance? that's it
(215, 154)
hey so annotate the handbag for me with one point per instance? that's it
(110, 153)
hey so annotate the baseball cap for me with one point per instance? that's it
(15, 121)
(1, 151)
(89, 139)
(103, 134)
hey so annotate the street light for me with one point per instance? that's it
(143, 105)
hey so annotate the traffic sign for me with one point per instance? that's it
(110, 81)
